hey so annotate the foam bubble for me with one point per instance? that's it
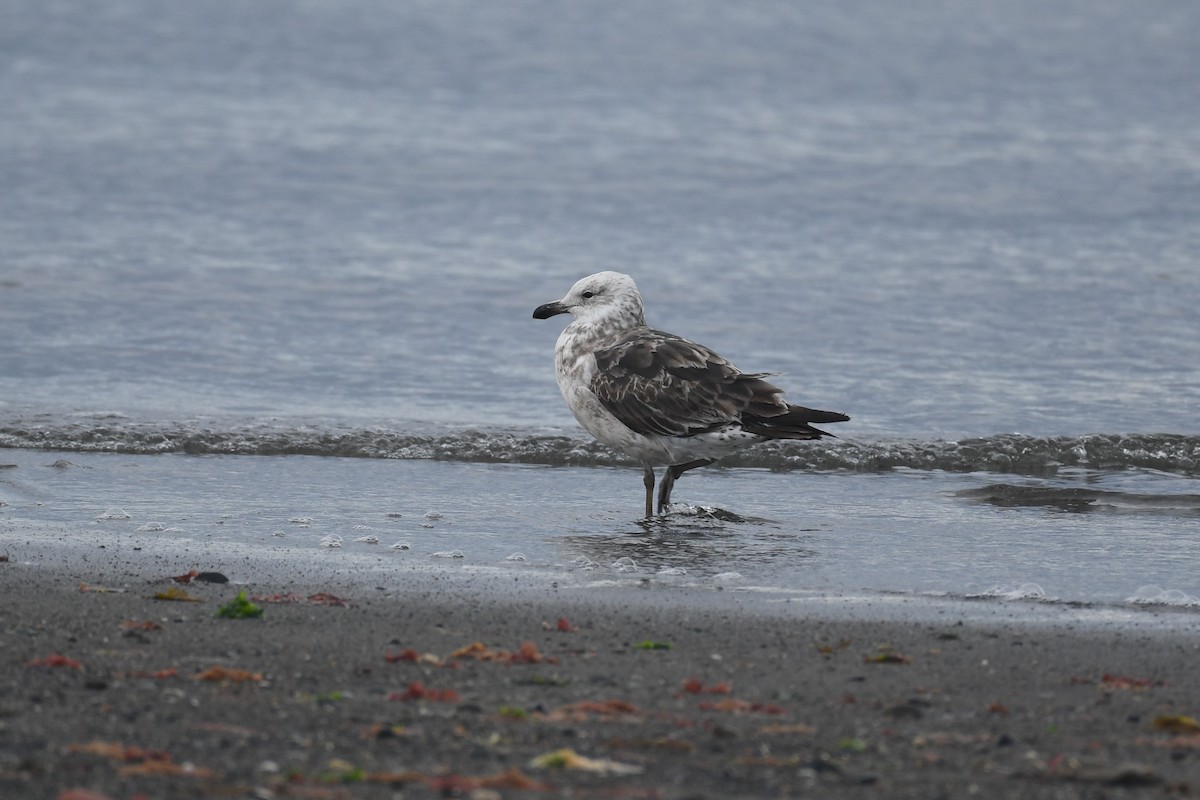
(625, 564)
(1152, 595)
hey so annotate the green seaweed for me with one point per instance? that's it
(651, 645)
(512, 712)
(239, 607)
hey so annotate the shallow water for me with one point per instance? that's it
(300, 243)
(792, 536)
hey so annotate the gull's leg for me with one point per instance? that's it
(664, 489)
(648, 480)
(672, 474)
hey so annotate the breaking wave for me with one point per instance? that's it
(1002, 453)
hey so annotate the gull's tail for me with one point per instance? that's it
(792, 424)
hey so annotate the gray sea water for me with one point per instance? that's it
(269, 268)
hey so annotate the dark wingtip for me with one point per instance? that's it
(795, 424)
(800, 413)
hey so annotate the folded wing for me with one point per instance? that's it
(657, 383)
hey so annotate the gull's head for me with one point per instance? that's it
(604, 296)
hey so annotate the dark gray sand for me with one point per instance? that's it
(104, 695)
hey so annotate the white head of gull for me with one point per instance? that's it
(657, 397)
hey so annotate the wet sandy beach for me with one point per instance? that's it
(444, 689)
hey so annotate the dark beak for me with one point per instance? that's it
(549, 310)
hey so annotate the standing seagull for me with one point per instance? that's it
(657, 397)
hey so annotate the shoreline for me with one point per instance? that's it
(565, 695)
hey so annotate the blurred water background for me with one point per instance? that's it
(275, 261)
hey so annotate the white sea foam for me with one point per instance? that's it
(1153, 595)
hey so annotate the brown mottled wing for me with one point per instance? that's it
(657, 383)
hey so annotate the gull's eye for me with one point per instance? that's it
(588, 295)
